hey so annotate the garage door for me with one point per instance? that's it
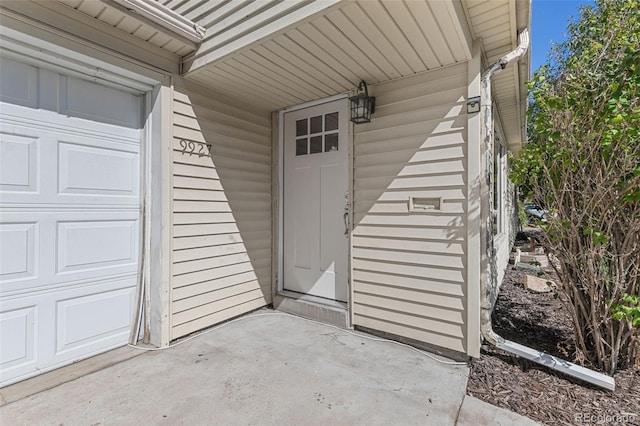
(69, 218)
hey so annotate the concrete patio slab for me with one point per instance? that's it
(477, 412)
(266, 369)
(66, 374)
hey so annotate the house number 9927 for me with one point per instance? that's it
(200, 149)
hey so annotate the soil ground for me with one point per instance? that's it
(540, 321)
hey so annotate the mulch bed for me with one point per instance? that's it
(540, 321)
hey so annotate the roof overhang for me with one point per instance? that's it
(277, 54)
(274, 59)
(294, 52)
(523, 20)
(148, 21)
(162, 18)
(497, 24)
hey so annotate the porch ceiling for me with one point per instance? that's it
(282, 53)
(332, 50)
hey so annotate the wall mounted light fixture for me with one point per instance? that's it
(362, 105)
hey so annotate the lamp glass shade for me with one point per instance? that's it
(361, 108)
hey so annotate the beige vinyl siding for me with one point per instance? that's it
(409, 268)
(221, 210)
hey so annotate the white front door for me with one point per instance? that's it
(69, 218)
(316, 200)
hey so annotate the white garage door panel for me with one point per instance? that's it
(62, 247)
(18, 163)
(19, 250)
(69, 218)
(47, 329)
(19, 341)
(101, 318)
(79, 100)
(91, 245)
(21, 325)
(26, 85)
(89, 170)
(71, 167)
(18, 83)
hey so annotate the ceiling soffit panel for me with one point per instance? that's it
(118, 17)
(330, 53)
(497, 23)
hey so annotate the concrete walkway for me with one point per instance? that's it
(270, 369)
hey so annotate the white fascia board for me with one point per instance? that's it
(172, 22)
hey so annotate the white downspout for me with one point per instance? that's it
(487, 129)
(486, 328)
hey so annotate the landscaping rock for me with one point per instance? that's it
(526, 249)
(534, 269)
(538, 285)
(541, 259)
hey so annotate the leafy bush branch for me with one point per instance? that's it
(582, 162)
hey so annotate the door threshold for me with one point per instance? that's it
(313, 307)
(314, 299)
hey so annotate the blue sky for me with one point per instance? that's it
(549, 24)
